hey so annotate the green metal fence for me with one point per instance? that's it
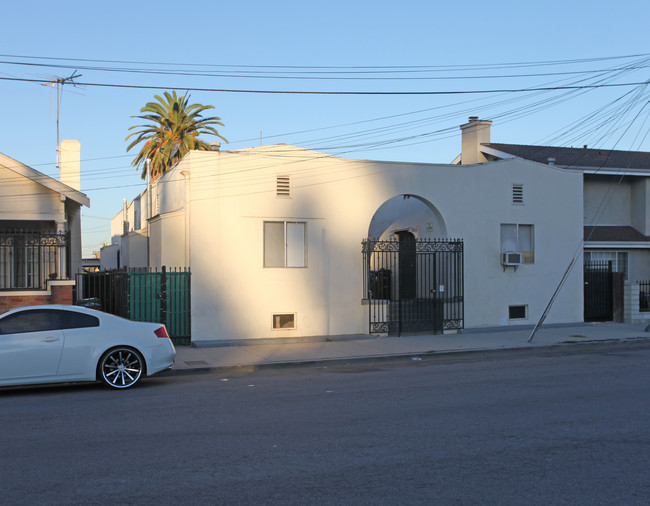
(148, 296)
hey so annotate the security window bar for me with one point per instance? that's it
(28, 259)
(285, 244)
(283, 186)
(518, 194)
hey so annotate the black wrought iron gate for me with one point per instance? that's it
(599, 304)
(413, 284)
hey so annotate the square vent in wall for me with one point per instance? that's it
(283, 186)
(284, 321)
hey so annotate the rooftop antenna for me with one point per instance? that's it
(60, 81)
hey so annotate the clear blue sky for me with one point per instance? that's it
(475, 37)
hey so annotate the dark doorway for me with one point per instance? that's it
(407, 266)
(598, 279)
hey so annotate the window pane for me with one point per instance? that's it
(525, 238)
(34, 320)
(74, 320)
(296, 245)
(526, 244)
(273, 244)
(508, 238)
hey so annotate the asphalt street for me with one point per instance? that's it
(565, 425)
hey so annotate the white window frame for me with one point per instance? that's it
(288, 249)
(516, 237)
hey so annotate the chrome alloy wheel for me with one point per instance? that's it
(121, 367)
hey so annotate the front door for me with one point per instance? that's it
(407, 266)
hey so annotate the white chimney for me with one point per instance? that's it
(474, 133)
(70, 163)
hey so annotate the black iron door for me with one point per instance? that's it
(599, 305)
(413, 285)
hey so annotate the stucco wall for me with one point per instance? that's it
(640, 208)
(134, 249)
(108, 258)
(233, 193)
(607, 200)
(638, 262)
(167, 241)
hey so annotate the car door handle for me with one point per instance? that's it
(50, 339)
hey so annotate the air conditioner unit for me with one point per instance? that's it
(511, 258)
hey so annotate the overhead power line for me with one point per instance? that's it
(313, 92)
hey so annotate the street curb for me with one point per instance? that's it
(399, 357)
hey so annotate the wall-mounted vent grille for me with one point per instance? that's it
(517, 312)
(283, 186)
(284, 321)
(517, 193)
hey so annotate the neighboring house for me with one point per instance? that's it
(273, 236)
(616, 189)
(129, 240)
(40, 230)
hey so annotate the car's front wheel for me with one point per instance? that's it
(120, 367)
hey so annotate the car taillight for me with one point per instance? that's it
(161, 332)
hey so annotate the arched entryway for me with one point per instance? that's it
(413, 280)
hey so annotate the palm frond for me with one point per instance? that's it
(172, 129)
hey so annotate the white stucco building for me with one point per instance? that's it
(273, 237)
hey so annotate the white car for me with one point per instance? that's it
(58, 343)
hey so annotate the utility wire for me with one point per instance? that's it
(332, 92)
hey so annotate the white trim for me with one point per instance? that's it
(497, 153)
(61, 282)
(617, 245)
(612, 171)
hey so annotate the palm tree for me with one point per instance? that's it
(173, 131)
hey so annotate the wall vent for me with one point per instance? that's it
(284, 321)
(518, 312)
(517, 193)
(283, 186)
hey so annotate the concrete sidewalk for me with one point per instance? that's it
(265, 352)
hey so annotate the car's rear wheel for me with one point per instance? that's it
(120, 367)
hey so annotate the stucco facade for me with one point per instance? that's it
(616, 194)
(213, 206)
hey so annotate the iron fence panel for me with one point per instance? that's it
(413, 285)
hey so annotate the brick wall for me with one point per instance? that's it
(60, 292)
